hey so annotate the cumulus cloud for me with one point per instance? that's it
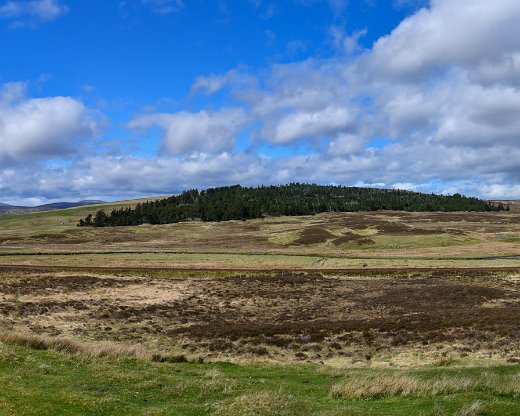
(441, 90)
(448, 34)
(205, 131)
(344, 42)
(445, 94)
(38, 128)
(30, 12)
(314, 124)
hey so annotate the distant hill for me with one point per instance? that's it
(63, 205)
(6, 209)
(7, 206)
(240, 203)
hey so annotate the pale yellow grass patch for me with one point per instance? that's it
(214, 380)
(70, 346)
(91, 349)
(371, 386)
(472, 409)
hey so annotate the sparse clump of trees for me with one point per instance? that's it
(241, 203)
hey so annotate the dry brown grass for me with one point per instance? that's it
(371, 386)
(374, 385)
(75, 347)
(91, 349)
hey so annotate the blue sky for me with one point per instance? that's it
(128, 98)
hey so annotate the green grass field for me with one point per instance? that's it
(47, 382)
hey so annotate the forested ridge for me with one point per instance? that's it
(241, 203)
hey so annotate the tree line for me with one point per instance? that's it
(242, 203)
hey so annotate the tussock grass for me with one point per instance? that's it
(373, 385)
(363, 387)
(70, 346)
(214, 380)
(90, 349)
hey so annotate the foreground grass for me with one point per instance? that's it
(39, 378)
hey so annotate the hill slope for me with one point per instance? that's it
(237, 202)
(6, 209)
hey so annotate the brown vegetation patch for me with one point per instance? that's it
(305, 304)
(308, 316)
(349, 237)
(10, 239)
(26, 309)
(58, 284)
(313, 235)
(397, 223)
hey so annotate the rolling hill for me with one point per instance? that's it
(7, 209)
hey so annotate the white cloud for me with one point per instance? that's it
(209, 85)
(236, 79)
(344, 42)
(346, 145)
(12, 91)
(314, 124)
(38, 128)
(30, 12)
(501, 191)
(205, 131)
(462, 33)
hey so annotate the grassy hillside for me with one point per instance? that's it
(59, 218)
